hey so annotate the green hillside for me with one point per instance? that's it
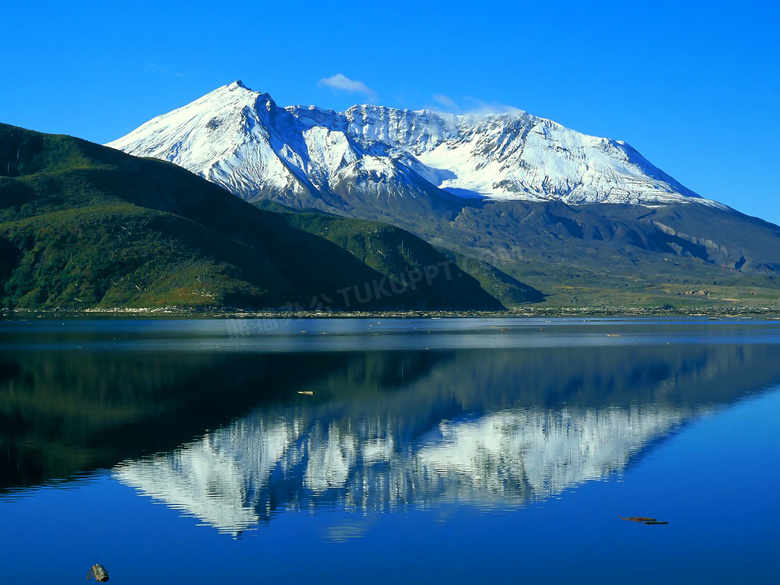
(82, 225)
(393, 251)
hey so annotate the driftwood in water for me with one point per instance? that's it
(642, 520)
(638, 519)
(98, 573)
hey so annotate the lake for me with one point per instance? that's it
(390, 451)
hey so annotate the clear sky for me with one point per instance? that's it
(694, 86)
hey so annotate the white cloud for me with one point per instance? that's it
(479, 107)
(341, 82)
(448, 103)
(474, 107)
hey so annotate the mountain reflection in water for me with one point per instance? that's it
(491, 413)
(493, 428)
(238, 476)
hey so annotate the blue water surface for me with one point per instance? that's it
(353, 451)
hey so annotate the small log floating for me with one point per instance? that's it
(642, 520)
(637, 519)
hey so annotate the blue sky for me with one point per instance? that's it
(694, 86)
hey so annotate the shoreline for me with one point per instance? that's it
(524, 312)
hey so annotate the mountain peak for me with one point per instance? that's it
(504, 154)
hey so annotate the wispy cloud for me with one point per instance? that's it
(447, 102)
(473, 107)
(476, 106)
(160, 70)
(341, 82)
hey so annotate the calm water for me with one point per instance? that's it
(400, 451)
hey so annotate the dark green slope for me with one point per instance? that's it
(393, 252)
(83, 225)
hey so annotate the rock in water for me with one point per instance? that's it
(98, 572)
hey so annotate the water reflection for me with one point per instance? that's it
(239, 476)
(493, 415)
(493, 428)
(397, 414)
(65, 414)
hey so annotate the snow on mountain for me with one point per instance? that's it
(225, 137)
(242, 140)
(236, 477)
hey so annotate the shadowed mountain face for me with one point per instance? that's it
(487, 419)
(610, 253)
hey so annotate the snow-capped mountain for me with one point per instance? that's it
(534, 198)
(307, 156)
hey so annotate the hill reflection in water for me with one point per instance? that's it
(496, 428)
